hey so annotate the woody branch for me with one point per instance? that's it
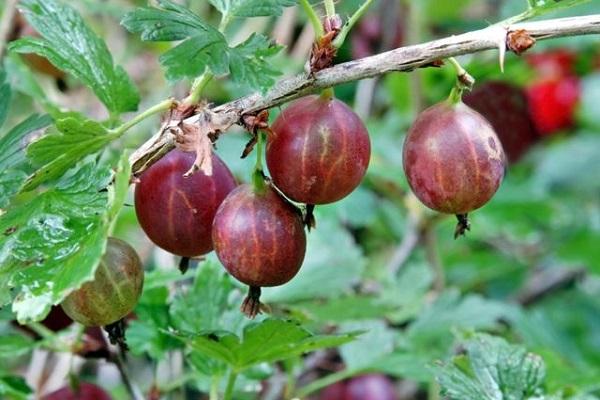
(407, 58)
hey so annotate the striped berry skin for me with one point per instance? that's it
(114, 291)
(453, 159)
(318, 151)
(259, 237)
(177, 212)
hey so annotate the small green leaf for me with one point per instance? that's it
(252, 8)
(12, 143)
(74, 138)
(145, 334)
(14, 387)
(172, 22)
(200, 51)
(69, 44)
(23, 80)
(248, 65)
(376, 342)
(203, 306)
(496, 370)
(14, 345)
(12, 156)
(5, 97)
(11, 181)
(203, 46)
(267, 341)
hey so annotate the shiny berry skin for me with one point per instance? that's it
(505, 107)
(552, 103)
(114, 291)
(85, 391)
(259, 237)
(177, 212)
(453, 159)
(318, 151)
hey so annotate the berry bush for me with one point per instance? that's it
(298, 199)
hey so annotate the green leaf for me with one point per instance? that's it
(146, 333)
(252, 8)
(248, 65)
(74, 138)
(12, 155)
(14, 345)
(170, 22)
(23, 80)
(205, 304)
(267, 341)
(496, 370)
(11, 181)
(14, 387)
(52, 243)
(330, 267)
(5, 97)
(203, 46)
(69, 44)
(376, 342)
(12, 143)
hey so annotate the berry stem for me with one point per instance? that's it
(463, 81)
(198, 87)
(329, 8)
(328, 93)
(258, 177)
(462, 226)
(251, 305)
(341, 36)
(230, 385)
(158, 108)
(313, 18)
(184, 264)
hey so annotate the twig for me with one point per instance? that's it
(412, 235)
(433, 258)
(7, 23)
(117, 360)
(401, 59)
(548, 281)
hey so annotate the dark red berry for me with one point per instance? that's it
(113, 293)
(259, 238)
(84, 391)
(371, 387)
(505, 107)
(177, 212)
(318, 151)
(370, 37)
(552, 104)
(336, 391)
(453, 160)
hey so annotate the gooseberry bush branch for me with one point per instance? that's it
(402, 59)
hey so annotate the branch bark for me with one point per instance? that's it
(401, 59)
